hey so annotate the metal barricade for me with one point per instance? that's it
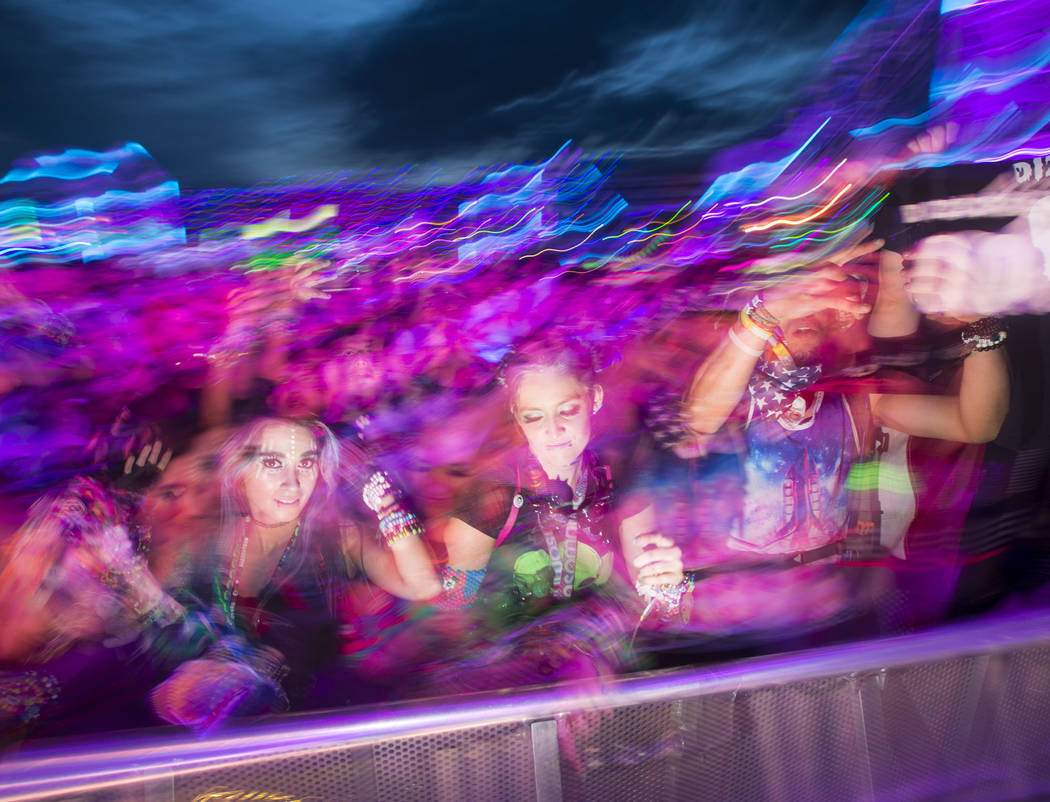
(957, 713)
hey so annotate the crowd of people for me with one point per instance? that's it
(468, 489)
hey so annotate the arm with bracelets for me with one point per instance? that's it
(401, 565)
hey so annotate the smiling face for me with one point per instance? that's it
(553, 410)
(282, 475)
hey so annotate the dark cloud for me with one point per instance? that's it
(232, 93)
(455, 77)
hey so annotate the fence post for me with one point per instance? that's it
(546, 761)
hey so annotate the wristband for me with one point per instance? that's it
(399, 524)
(670, 602)
(458, 588)
(747, 349)
(985, 334)
(756, 318)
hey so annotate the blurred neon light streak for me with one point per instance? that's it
(753, 175)
(165, 191)
(1013, 154)
(948, 6)
(600, 218)
(62, 171)
(435, 224)
(977, 80)
(796, 197)
(563, 250)
(891, 122)
(282, 223)
(651, 236)
(787, 221)
(69, 247)
(680, 234)
(643, 230)
(833, 231)
(511, 227)
(129, 149)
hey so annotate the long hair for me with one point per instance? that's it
(236, 457)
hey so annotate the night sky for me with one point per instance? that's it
(231, 92)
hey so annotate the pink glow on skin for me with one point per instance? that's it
(283, 475)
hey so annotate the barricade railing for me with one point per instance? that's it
(962, 712)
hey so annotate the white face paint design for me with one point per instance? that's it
(553, 410)
(281, 479)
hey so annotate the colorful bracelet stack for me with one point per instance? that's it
(670, 603)
(458, 588)
(756, 319)
(395, 522)
(985, 334)
(398, 524)
(376, 491)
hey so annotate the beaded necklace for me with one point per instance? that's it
(233, 585)
(563, 553)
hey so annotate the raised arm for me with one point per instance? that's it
(973, 414)
(945, 278)
(469, 551)
(257, 334)
(402, 568)
(721, 380)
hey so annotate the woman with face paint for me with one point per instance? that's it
(549, 530)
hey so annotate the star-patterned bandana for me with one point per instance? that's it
(776, 385)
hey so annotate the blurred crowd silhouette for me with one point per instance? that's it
(239, 494)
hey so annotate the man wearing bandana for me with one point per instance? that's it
(785, 374)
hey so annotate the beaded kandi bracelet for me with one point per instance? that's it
(669, 602)
(395, 522)
(756, 318)
(399, 524)
(985, 334)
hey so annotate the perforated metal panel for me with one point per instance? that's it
(629, 753)
(1016, 720)
(921, 725)
(486, 763)
(803, 741)
(318, 776)
(958, 726)
(799, 741)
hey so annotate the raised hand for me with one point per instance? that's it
(806, 294)
(973, 274)
(143, 469)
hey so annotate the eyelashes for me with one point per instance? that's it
(274, 464)
(571, 412)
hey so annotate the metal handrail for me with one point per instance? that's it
(80, 766)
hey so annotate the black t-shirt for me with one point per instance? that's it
(550, 539)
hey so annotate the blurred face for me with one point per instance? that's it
(302, 393)
(183, 503)
(828, 335)
(553, 410)
(355, 371)
(283, 474)
(437, 486)
(806, 337)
